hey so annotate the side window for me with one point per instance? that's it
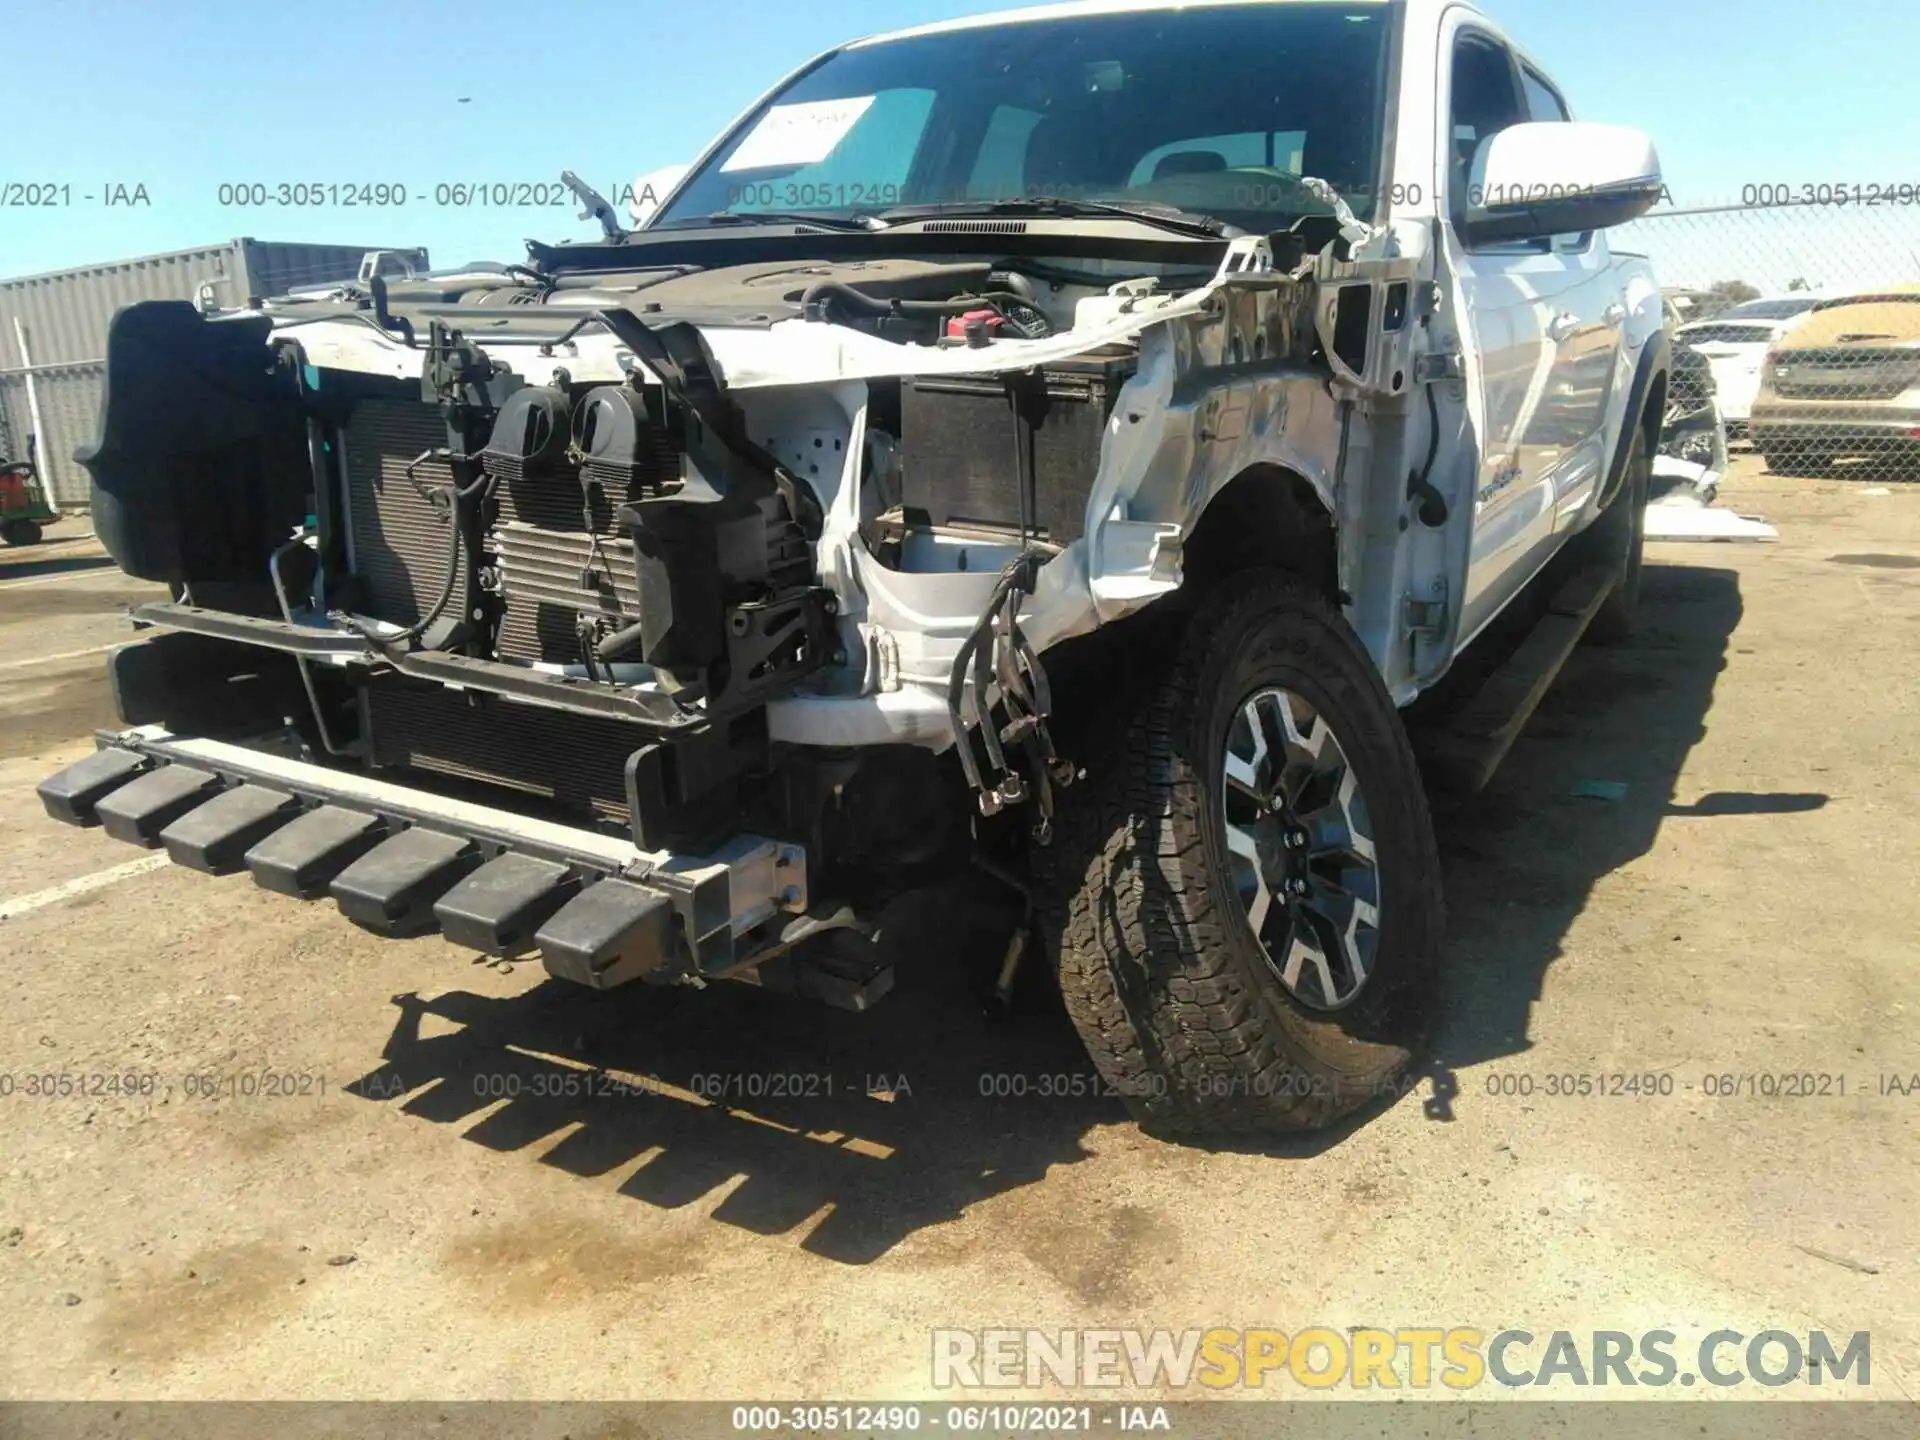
(1543, 101)
(1484, 102)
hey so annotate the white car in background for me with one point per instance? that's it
(1735, 344)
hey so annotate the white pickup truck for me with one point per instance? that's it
(1060, 441)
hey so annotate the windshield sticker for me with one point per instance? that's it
(798, 134)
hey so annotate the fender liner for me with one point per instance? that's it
(1656, 358)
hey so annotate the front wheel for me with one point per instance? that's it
(1245, 909)
(21, 532)
(1618, 540)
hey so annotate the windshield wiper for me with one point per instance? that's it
(860, 221)
(1165, 217)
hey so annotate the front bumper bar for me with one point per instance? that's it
(658, 712)
(402, 861)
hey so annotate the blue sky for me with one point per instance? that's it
(182, 97)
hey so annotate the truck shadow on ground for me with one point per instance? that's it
(890, 1121)
(903, 1118)
(1584, 792)
(13, 568)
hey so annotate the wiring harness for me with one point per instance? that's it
(996, 668)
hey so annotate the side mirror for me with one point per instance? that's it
(651, 190)
(1557, 178)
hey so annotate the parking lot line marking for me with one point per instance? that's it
(65, 655)
(100, 879)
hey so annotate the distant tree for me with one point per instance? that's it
(1720, 297)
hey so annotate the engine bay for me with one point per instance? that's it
(632, 532)
(641, 552)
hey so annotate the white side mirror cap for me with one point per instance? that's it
(1556, 177)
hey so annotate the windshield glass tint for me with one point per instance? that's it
(1216, 110)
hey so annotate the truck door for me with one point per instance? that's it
(1532, 347)
(1584, 325)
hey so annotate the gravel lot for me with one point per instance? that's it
(397, 1229)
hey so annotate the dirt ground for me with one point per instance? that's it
(1745, 907)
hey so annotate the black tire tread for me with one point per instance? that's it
(1142, 944)
(1621, 530)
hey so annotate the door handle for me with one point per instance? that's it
(1614, 313)
(1562, 326)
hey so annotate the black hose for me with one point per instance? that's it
(1433, 505)
(460, 494)
(982, 697)
(549, 346)
(836, 291)
(956, 696)
(1016, 576)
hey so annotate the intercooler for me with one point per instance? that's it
(557, 539)
(550, 578)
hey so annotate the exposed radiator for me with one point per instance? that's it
(545, 531)
(400, 539)
(498, 742)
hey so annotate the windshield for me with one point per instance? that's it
(1770, 309)
(1894, 297)
(1216, 111)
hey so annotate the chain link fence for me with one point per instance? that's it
(1804, 302)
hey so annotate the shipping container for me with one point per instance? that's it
(54, 389)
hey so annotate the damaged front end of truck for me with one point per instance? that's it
(663, 624)
(669, 602)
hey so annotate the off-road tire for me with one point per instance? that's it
(1619, 539)
(1156, 959)
(21, 532)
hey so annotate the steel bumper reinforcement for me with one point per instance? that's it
(659, 712)
(402, 861)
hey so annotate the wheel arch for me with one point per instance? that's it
(1646, 409)
(1268, 517)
